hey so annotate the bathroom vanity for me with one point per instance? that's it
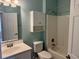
(10, 29)
(19, 50)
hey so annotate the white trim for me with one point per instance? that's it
(70, 26)
(47, 31)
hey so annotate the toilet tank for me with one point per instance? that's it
(38, 46)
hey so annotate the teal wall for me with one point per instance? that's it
(58, 7)
(51, 7)
(26, 7)
(63, 7)
(8, 9)
(24, 19)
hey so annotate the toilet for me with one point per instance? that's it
(38, 48)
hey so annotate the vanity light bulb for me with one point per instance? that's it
(0, 0)
(13, 5)
(8, 0)
(16, 1)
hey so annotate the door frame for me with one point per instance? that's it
(1, 13)
(70, 27)
(73, 14)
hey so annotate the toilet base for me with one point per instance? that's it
(44, 55)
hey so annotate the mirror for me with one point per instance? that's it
(10, 23)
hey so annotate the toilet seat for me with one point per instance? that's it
(45, 54)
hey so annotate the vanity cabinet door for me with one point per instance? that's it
(12, 57)
(24, 55)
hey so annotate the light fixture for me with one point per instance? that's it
(13, 3)
(6, 2)
(1, 1)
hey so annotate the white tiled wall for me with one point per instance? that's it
(51, 29)
(57, 28)
(62, 31)
(75, 45)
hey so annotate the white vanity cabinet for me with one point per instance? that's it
(19, 50)
(23, 55)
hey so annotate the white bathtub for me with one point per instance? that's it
(57, 53)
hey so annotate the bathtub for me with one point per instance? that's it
(57, 53)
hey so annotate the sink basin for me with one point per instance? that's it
(10, 50)
(16, 49)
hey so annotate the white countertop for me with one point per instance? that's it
(16, 49)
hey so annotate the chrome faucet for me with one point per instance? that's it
(9, 43)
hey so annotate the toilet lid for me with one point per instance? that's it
(45, 54)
